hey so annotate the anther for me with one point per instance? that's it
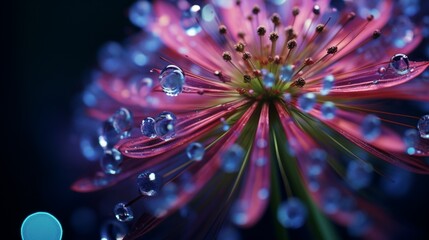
(291, 44)
(227, 56)
(277, 59)
(316, 9)
(376, 34)
(239, 47)
(308, 61)
(256, 10)
(247, 56)
(274, 36)
(247, 78)
(320, 28)
(275, 18)
(295, 11)
(300, 82)
(261, 30)
(220, 76)
(332, 50)
(222, 29)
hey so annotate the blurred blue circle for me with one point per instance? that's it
(41, 226)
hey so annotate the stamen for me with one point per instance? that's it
(261, 30)
(275, 19)
(274, 36)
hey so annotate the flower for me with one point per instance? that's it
(255, 105)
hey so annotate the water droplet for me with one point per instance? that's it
(409, 7)
(165, 125)
(411, 137)
(358, 175)
(195, 151)
(286, 72)
(307, 101)
(90, 147)
(122, 121)
(368, 7)
(110, 57)
(208, 13)
(400, 64)
(108, 136)
(328, 110)
(148, 127)
(327, 84)
(269, 80)
(123, 213)
(149, 183)
(423, 126)
(111, 161)
(331, 200)
(172, 80)
(292, 213)
(239, 213)
(223, 3)
(371, 127)
(41, 226)
(317, 161)
(232, 158)
(113, 230)
(225, 126)
(143, 86)
(263, 193)
(277, 2)
(189, 20)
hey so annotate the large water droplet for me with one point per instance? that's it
(123, 213)
(328, 110)
(140, 13)
(113, 230)
(165, 125)
(423, 126)
(331, 200)
(149, 183)
(232, 158)
(327, 84)
(371, 127)
(307, 101)
(122, 121)
(195, 151)
(292, 213)
(148, 127)
(286, 72)
(358, 175)
(400, 64)
(108, 136)
(189, 20)
(411, 137)
(317, 161)
(111, 161)
(172, 80)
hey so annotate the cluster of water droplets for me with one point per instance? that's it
(163, 126)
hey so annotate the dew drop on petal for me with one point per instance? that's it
(328, 110)
(142, 86)
(139, 13)
(327, 84)
(381, 71)
(123, 213)
(165, 125)
(371, 127)
(286, 72)
(172, 79)
(423, 126)
(239, 213)
(195, 151)
(232, 158)
(307, 101)
(208, 13)
(400, 64)
(148, 127)
(113, 230)
(358, 175)
(411, 137)
(111, 161)
(189, 21)
(331, 200)
(317, 161)
(277, 2)
(292, 213)
(149, 183)
(122, 121)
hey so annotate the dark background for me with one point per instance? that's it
(50, 48)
